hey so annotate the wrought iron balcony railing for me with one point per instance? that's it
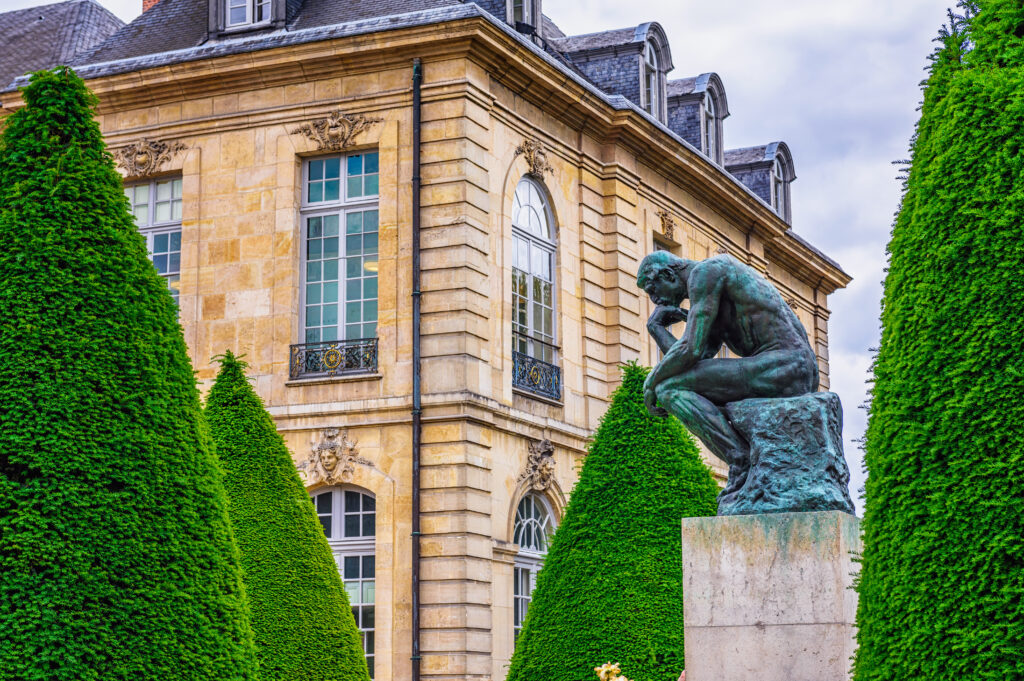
(333, 358)
(532, 374)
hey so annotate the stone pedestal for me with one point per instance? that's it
(769, 597)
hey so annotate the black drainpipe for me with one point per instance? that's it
(417, 81)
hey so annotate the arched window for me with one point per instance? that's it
(349, 519)
(710, 128)
(534, 526)
(779, 188)
(651, 92)
(533, 292)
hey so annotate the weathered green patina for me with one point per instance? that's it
(733, 305)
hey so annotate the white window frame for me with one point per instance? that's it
(710, 127)
(341, 208)
(154, 228)
(358, 548)
(529, 559)
(550, 248)
(652, 79)
(525, 9)
(779, 187)
(250, 7)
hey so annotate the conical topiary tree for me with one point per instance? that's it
(300, 614)
(942, 581)
(612, 587)
(116, 556)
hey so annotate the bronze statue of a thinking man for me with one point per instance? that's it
(731, 305)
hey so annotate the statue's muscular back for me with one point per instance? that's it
(752, 317)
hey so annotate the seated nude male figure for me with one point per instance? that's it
(731, 305)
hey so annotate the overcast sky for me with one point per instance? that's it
(838, 82)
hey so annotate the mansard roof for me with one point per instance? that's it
(50, 35)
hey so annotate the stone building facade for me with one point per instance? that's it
(267, 148)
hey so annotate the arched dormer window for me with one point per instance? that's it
(534, 353)
(349, 518)
(710, 134)
(652, 90)
(534, 526)
(779, 202)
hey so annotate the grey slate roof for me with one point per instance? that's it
(595, 41)
(681, 86)
(762, 153)
(50, 35)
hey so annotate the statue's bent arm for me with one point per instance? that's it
(705, 289)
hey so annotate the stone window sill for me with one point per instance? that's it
(320, 380)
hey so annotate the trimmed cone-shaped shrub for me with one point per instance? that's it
(116, 555)
(300, 614)
(612, 587)
(942, 581)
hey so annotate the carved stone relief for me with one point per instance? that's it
(337, 131)
(144, 157)
(536, 157)
(540, 466)
(332, 459)
(668, 224)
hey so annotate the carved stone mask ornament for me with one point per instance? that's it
(337, 131)
(143, 158)
(536, 157)
(540, 466)
(332, 459)
(668, 224)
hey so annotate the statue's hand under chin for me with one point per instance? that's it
(666, 315)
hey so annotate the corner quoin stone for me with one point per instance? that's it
(796, 456)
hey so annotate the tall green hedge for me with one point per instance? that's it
(942, 583)
(116, 555)
(611, 587)
(300, 614)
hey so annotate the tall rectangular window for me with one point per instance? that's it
(340, 232)
(156, 206)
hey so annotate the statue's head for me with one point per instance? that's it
(663, 277)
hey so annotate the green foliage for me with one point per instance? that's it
(942, 585)
(116, 555)
(300, 614)
(611, 587)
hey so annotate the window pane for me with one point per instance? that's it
(312, 271)
(351, 567)
(331, 189)
(330, 225)
(372, 162)
(331, 292)
(371, 186)
(368, 592)
(330, 270)
(352, 502)
(316, 191)
(325, 522)
(355, 188)
(313, 292)
(332, 168)
(331, 247)
(316, 170)
(368, 567)
(369, 525)
(355, 164)
(352, 525)
(330, 315)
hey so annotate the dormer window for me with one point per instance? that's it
(652, 99)
(521, 12)
(246, 12)
(779, 188)
(710, 133)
